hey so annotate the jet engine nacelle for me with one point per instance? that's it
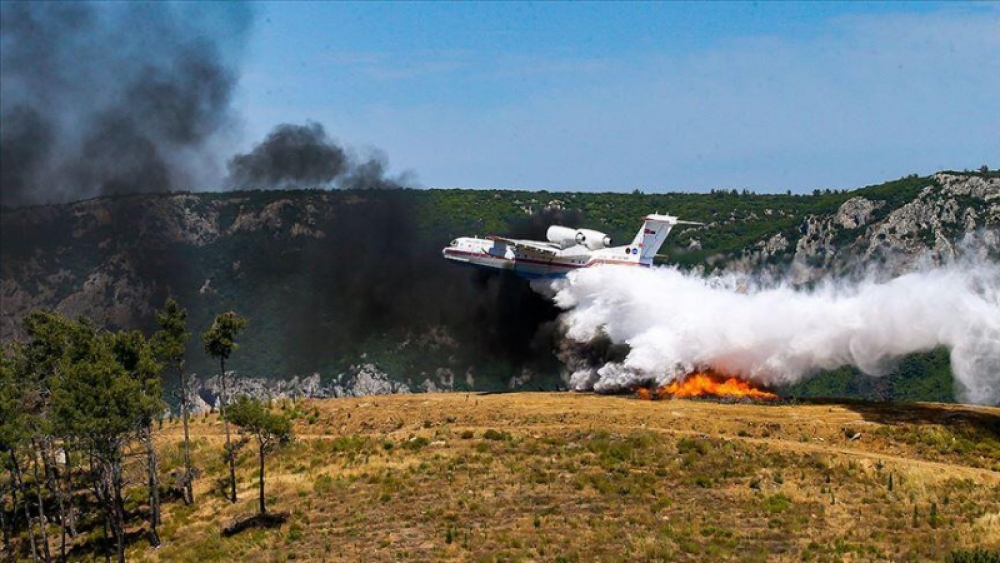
(567, 237)
(594, 240)
(563, 236)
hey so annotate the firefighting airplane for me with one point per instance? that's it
(566, 249)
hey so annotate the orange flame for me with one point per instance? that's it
(703, 384)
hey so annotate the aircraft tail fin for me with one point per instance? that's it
(653, 233)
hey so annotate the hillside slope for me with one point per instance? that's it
(347, 289)
(575, 477)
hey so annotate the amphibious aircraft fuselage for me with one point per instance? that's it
(566, 249)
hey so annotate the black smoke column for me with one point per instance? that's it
(113, 98)
(291, 157)
(303, 157)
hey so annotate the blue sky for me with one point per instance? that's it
(615, 96)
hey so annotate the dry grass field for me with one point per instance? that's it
(578, 477)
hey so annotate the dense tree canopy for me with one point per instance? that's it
(78, 405)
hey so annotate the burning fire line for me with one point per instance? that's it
(705, 384)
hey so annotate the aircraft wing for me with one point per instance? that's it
(527, 246)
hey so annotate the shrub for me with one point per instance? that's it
(978, 555)
(703, 482)
(778, 503)
(693, 445)
(414, 444)
(492, 434)
(323, 484)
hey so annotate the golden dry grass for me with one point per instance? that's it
(562, 476)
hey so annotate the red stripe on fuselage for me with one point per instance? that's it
(591, 262)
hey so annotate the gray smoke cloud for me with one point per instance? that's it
(673, 323)
(110, 98)
(292, 156)
(303, 157)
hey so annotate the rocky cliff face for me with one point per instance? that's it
(951, 211)
(87, 258)
(316, 290)
(346, 284)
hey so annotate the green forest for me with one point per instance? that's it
(335, 280)
(78, 403)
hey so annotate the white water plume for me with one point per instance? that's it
(674, 322)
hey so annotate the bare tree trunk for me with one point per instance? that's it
(19, 485)
(154, 487)
(108, 516)
(104, 498)
(263, 509)
(107, 537)
(6, 530)
(42, 520)
(100, 479)
(188, 475)
(68, 487)
(225, 421)
(52, 481)
(118, 522)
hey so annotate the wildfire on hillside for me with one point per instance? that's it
(706, 383)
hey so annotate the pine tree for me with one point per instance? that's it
(13, 438)
(102, 406)
(220, 341)
(171, 342)
(255, 421)
(53, 343)
(136, 355)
